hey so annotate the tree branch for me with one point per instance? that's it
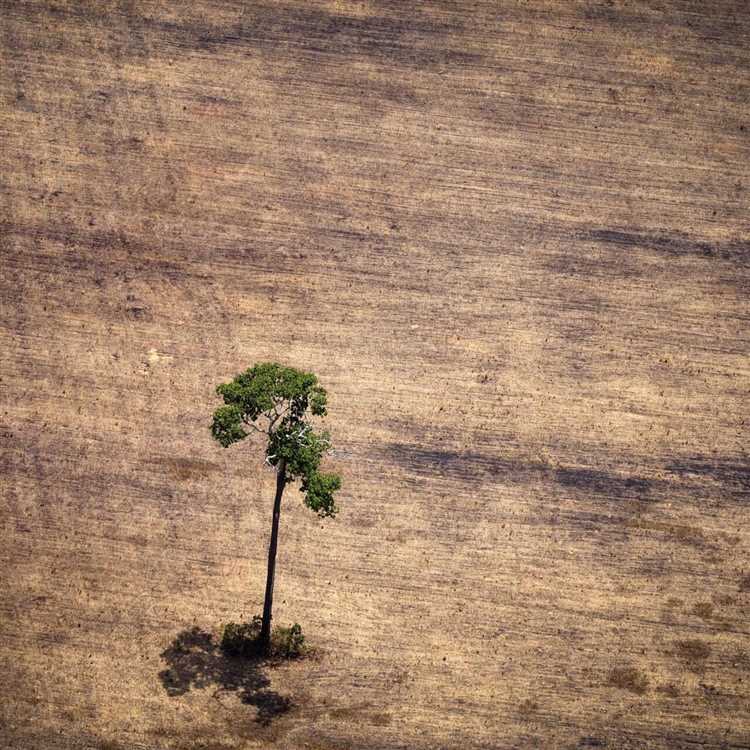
(252, 424)
(277, 414)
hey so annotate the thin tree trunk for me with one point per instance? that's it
(265, 631)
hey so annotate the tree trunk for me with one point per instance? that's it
(265, 631)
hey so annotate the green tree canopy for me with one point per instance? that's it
(277, 402)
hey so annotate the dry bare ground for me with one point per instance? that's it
(512, 240)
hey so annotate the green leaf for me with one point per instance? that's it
(319, 489)
(227, 425)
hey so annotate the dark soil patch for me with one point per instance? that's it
(692, 651)
(628, 678)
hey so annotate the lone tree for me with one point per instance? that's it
(277, 401)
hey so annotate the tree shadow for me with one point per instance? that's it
(195, 661)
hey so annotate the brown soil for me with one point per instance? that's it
(512, 240)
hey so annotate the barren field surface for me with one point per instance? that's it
(512, 240)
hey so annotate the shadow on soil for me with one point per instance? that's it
(195, 661)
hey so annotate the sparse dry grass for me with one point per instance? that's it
(693, 651)
(628, 678)
(703, 610)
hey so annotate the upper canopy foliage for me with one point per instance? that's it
(274, 400)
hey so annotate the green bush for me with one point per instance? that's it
(288, 643)
(243, 639)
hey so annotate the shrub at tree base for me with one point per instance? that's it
(244, 639)
(241, 638)
(288, 643)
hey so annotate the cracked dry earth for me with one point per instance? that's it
(511, 238)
